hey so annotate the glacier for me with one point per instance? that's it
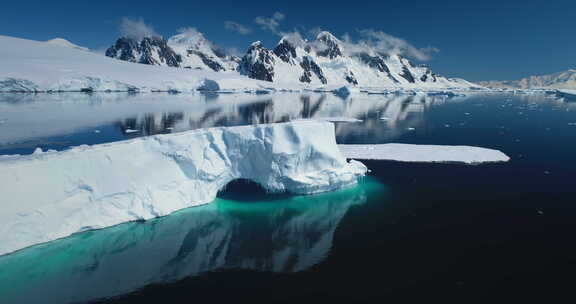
(50, 195)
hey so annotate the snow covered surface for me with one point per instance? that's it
(29, 66)
(65, 43)
(331, 119)
(424, 153)
(46, 196)
(58, 65)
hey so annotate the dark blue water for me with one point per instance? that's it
(426, 232)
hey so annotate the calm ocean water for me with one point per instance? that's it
(408, 231)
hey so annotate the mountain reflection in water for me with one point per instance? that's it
(58, 121)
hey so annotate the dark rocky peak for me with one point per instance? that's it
(329, 46)
(285, 51)
(351, 78)
(309, 67)
(143, 51)
(258, 63)
(375, 62)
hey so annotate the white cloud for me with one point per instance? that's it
(270, 24)
(381, 42)
(237, 27)
(136, 29)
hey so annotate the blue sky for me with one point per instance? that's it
(477, 40)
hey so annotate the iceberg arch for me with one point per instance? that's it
(46, 196)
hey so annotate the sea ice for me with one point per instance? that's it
(423, 153)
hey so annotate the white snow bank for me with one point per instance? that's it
(46, 196)
(424, 153)
(65, 43)
(31, 66)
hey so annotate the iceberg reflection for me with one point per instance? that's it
(287, 234)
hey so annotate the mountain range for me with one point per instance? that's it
(561, 80)
(324, 61)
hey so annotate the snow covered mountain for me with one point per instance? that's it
(188, 49)
(561, 80)
(37, 66)
(197, 52)
(328, 61)
(65, 43)
(148, 50)
(188, 62)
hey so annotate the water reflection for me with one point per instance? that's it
(286, 235)
(57, 121)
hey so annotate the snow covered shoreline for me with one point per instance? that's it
(424, 153)
(46, 196)
(36, 67)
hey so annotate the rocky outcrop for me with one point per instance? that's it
(148, 50)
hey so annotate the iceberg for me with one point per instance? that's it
(424, 153)
(567, 94)
(291, 235)
(50, 195)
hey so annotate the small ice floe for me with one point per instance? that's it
(467, 113)
(96, 131)
(384, 118)
(446, 126)
(331, 119)
(572, 123)
(540, 212)
(547, 172)
(3, 121)
(424, 153)
(411, 129)
(566, 94)
(130, 131)
(169, 128)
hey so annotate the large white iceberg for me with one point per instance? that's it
(290, 235)
(46, 196)
(424, 153)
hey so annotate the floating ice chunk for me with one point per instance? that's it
(423, 153)
(130, 131)
(52, 195)
(331, 119)
(567, 94)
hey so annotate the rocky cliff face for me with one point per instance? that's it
(326, 61)
(184, 50)
(148, 50)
